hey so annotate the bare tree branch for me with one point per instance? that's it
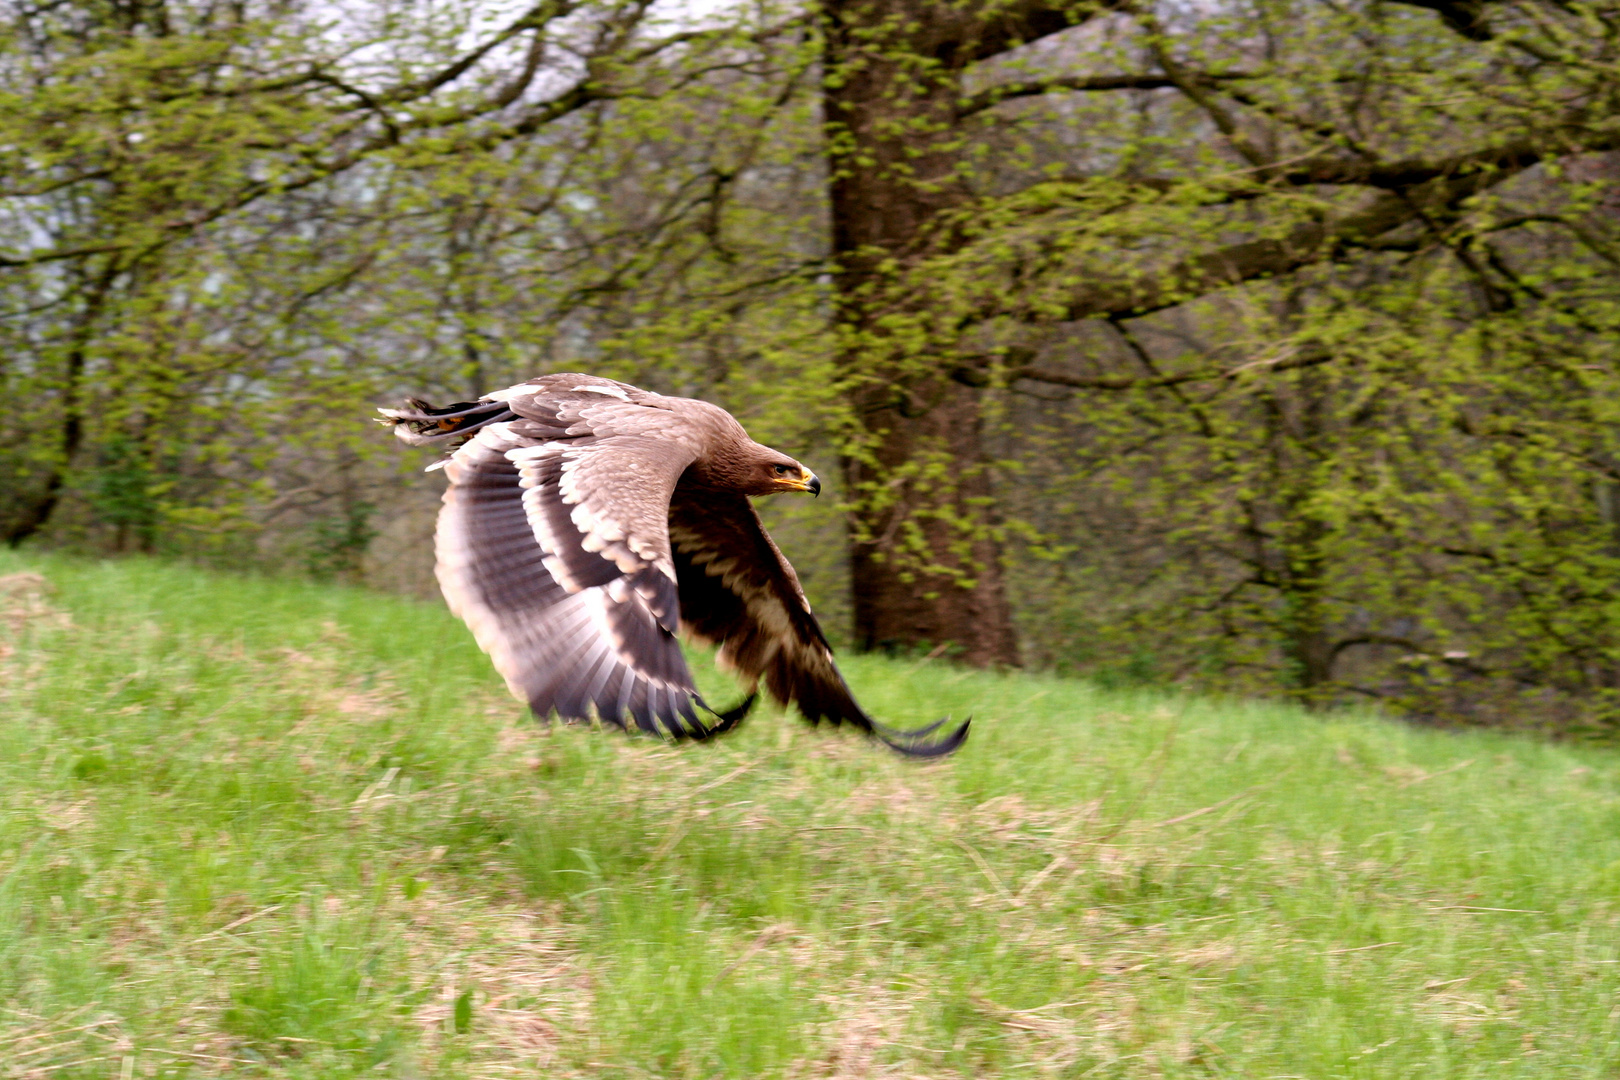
(1309, 358)
(533, 19)
(332, 158)
(1015, 23)
(995, 95)
(1466, 17)
(1418, 186)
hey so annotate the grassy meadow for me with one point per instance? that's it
(265, 828)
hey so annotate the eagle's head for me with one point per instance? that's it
(778, 472)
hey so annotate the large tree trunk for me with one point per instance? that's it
(926, 565)
(28, 514)
(930, 521)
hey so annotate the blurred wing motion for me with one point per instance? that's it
(571, 547)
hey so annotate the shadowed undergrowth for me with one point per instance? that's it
(266, 828)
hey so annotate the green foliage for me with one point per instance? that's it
(338, 544)
(1294, 347)
(226, 235)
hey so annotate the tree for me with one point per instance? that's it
(924, 539)
(1216, 156)
(151, 148)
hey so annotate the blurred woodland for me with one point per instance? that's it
(1264, 346)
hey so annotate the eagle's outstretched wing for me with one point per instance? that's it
(575, 545)
(738, 592)
(553, 547)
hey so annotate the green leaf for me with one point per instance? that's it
(463, 1012)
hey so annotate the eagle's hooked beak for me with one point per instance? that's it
(809, 481)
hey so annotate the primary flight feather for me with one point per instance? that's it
(588, 522)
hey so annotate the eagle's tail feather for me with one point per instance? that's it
(420, 424)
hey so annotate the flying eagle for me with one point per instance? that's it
(587, 521)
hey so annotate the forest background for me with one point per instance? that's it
(1265, 346)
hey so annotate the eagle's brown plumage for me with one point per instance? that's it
(588, 521)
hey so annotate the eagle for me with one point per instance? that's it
(588, 522)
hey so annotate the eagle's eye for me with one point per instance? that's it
(782, 470)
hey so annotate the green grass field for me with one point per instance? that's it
(262, 828)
